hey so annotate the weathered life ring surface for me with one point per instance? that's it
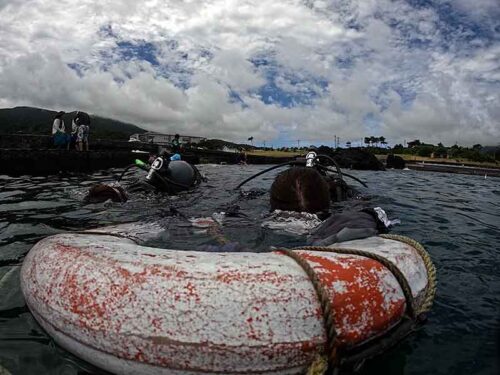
(131, 309)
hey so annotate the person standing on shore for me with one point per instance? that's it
(59, 130)
(176, 144)
(82, 120)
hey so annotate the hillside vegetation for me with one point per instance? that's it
(29, 120)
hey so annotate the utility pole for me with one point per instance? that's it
(298, 143)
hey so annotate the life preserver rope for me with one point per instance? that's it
(430, 290)
(331, 359)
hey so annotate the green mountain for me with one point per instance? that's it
(29, 120)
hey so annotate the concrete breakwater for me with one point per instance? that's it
(44, 142)
(27, 154)
(451, 168)
(33, 155)
(15, 162)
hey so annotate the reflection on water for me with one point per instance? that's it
(455, 217)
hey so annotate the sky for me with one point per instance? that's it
(279, 71)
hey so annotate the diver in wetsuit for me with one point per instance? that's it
(176, 144)
(308, 188)
(167, 174)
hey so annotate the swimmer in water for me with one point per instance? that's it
(167, 174)
(300, 189)
(309, 185)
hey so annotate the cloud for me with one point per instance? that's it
(277, 71)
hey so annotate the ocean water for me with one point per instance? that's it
(456, 217)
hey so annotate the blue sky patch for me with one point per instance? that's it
(305, 87)
(306, 90)
(139, 51)
(405, 90)
(457, 27)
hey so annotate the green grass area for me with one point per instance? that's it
(275, 153)
(458, 161)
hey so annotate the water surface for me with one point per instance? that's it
(456, 217)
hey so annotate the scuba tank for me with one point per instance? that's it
(182, 173)
(171, 174)
(159, 168)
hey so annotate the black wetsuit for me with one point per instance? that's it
(347, 226)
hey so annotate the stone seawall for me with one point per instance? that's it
(41, 142)
(33, 155)
(25, 141)
(17, 162)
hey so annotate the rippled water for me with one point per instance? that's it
(456, 217)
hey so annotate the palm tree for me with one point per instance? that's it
(382, 140)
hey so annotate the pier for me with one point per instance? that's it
(24, 154)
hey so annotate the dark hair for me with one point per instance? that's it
(59, 114)
(300, 189)
(82, 118)
(176, 136)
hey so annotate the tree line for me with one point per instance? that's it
(475, 153)
(375, 141)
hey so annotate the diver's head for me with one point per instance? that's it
(300, 189)
(102, 192)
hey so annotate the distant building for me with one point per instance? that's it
(163, 139)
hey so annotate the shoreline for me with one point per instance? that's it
(413, 159)
(29, 158)
(458, 169)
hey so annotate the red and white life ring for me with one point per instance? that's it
(131, 309)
